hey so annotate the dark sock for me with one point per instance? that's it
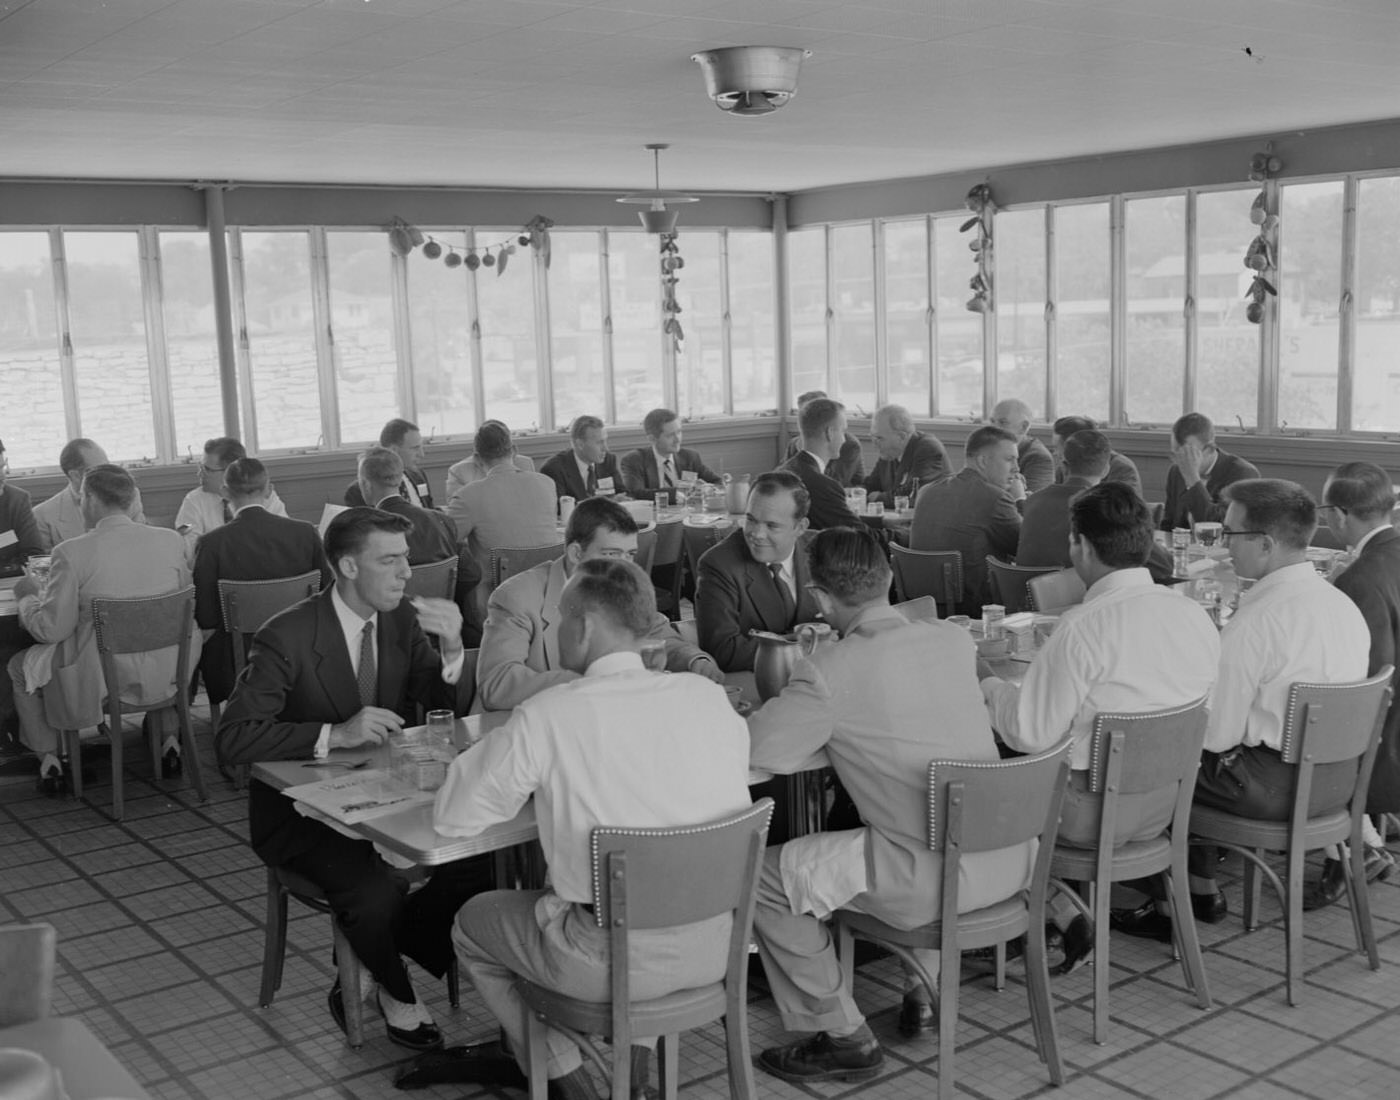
(574, 1085)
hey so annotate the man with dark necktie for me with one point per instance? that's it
(823, 425)
(663, 465)
(586, 469)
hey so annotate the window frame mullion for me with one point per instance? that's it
(1346, 305)
(157, 352)
(324, 339)
(63, 324)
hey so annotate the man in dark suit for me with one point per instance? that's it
(1120, 467)
(433, 536)
(1200, 471)
(19, 534)
(344, 670)
(405, 440)
(1359, 500)
(586, 469)
(648, 470)
(1045, 520)
(756, 579)
(975, 512)
(1033, 461)
(254, 546)
(848, 467)
(909, 460)
(823, 425)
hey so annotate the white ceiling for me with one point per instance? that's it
(564, 93)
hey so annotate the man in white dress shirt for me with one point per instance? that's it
(593, 752)
(205, 507)
(1291, 625)
(61, 516)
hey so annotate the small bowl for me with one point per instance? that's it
(992, 649)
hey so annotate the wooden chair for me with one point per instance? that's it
(140, 625)
(924, 609)
(1053, 592)
(1134, 754)
(1324, 724)
(507, 561)
(660, 878)
(936, 573)
(434, 579)
(979, 806)
(283, 884)
(696, 540)
(1011, 583)
(667, 549)
(27, 954)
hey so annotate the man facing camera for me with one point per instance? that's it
(344, 670)
(19, 534)
(1200, 473)
(650, 470)
(205, 508)
(616, 745)
(586, 469)
(909, 460)
(405, 440)
(756, 579)
(520, 647)
(1033, 461)
(431, 536)
(61, 516)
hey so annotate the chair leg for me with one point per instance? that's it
(1185, 933)
(1293, 923)
(114, 720)
(1100, 895)
(535, 1038)
(153, 740)
(949, 979)
(999, 967)
(1361, 905)
(348, 967)
(454, 984)
(72, 747)
(736, 1033)
(846, 953)
(668, 1055)
(191, 749)
(1251, 893)
(1038, 992)
(274, 939)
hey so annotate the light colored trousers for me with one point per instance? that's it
(35, 731)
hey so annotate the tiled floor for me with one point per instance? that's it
(160, 939)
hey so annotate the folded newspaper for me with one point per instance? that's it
(359, 797)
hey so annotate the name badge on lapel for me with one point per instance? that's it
(605, 487)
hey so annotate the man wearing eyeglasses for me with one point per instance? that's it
(520, 654)
(1200, 473)
(206, 507)
(61, 516)
(1291, 625)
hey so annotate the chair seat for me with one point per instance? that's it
(679, 1011)
(1134, 860)
(985, 927)
(1248, 832)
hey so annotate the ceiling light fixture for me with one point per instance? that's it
(751, 80)
(658, 219)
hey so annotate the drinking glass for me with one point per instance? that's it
(654, 654)
(901, 505)
(441, 724)
(876, 509)
(1207, 532)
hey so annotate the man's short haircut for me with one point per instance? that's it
(582, 425)
(897, 417)
(1014, 407)
(381, 466)
(1284, 510)
(111, 485)
(810, 395)
(849, 565)
(1088, 453)
(984, 439)
(393, 433)
(225, 450)
(616, 589)
(1066, 426)
(349, 531)
(783, 481)
(72, 456)
(493, 441)
(655, 421)
(593, 513)
(818, 415)
(1361, 489)
(1195, 425)
(245, 477)
(1116, 523)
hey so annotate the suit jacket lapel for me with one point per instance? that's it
(549, 615)
(333, 669)
(392, 652)
(766, 601)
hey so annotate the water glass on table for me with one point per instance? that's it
(1208, 533)
(901, 505)
(653, 652)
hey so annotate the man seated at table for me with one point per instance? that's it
(19, 534)
(431, 536)
(1130, 646)
(472, 468)
(520, 647)
(1291, 626)
(823, 425)
(205, 508)
(61, 516)
(867, 701)
(756, 579)
(1045, 517)
(1033, 461)
(1200, 473)
(618, 744)
(1358, 499)
(345, 669)
(975, 512)
(254, 545)
(1121, 468)
(648, 470)
(586, 469)
(909, 459)
(507, 508)
(848, 467)
(405, 440)
(59, 683)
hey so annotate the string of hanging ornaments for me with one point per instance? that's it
(671, 262)
(404, 238)
(1261, 256)
(979, 201)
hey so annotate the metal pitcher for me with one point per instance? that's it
(736, 495)
(778, 655)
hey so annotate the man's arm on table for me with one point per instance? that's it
(252, 728)
(717, 620)
(682, 656)
(1055, 687)
(504, 676)
(53, 616)
(789, 728)
(491, 783)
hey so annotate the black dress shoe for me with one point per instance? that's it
(1209, 908)
(336, 1002)
(819, 1057)
(1076, 945)
(171, 764)
(1144, 922)
(482, 1064)
(1332, 884)
(422, 1037)
(916, 1016)
(54, 784)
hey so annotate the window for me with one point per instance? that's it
(510, 367)
(576, 324)
(440, 334)
(111, 359)
(807, 309)
(907, 315)
(362, 324)
(191, 340)
(634, 277)
(1376, 374)
(1019, 281)
(852, 302)
(960, 340)
(1155, 232)
(1227, 344)
(34, 426)
(700, 362)
(752, 318)
(1310, 291)
(1083, 325)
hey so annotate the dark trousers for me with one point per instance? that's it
(380, 918)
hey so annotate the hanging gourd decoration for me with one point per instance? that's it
(671, 262)
(979, 201)
(1261, 256)
(404, 238)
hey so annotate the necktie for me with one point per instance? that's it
(368, 677)
(784, 593)
(670, 473)
(228, 512)
(592, 485)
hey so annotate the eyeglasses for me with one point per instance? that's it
(1226, 535)
(206, 468)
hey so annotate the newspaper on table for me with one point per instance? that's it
(358, 796)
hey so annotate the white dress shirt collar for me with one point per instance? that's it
(614, 664)
(583, 470)
(1284, 575)
(352, 626)
(1118, 580)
